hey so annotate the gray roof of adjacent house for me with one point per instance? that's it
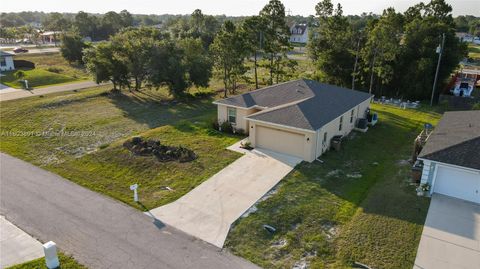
(298, 29)
(455, 140)
(304, 104)
(4, 53)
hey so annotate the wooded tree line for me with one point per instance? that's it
(393, 55)
(138, 57)
(185, 53)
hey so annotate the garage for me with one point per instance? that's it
(280, 141)
(458, 183)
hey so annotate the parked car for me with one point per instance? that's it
(20, 50)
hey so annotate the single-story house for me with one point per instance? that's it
(451, 156)
(299, 33)
(298, 117)
(6, 61)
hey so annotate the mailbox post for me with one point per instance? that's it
(134, 188)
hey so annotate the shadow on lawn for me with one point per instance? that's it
(383, 188)
(155, 110)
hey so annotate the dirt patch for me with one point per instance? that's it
(140, 147)
(354, 175)
(335, 173)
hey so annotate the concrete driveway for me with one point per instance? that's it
(451, 235)
(16, 246)
(208, 211)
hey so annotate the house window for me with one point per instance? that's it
(341, 122)
(351, 115)
(325, 138)
(232, 115)
(3, 62)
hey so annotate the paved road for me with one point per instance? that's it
(10, 94)
(98, 231)
(209, 210)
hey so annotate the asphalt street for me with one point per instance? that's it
(98, 231)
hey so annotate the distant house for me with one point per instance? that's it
(6, 61)
(451, 156)
(50, 36)
(298, 118)
(465, 37)
(299, 33)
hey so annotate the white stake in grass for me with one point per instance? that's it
(134, 188)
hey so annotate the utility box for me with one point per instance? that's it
(336, 142)
(51, 257)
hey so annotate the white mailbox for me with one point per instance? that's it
(51, 257)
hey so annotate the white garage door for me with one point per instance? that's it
(457, 183)
(280, 141)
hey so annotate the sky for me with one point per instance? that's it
(219, 7)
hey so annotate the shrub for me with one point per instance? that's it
(215, 124)
(226, 127)
(476, 106)
(55, 69)
(19, 74)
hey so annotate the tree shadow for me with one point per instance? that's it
(384, 186)
(154, 110)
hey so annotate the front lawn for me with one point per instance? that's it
(50, 69)
(36, 78)
(356, 206)
(66, 262)
(79, 136)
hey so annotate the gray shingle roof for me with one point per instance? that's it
(4, 53)
(455, 140)
(304, 104)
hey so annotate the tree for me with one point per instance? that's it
(147, 57)
(415, 69)
(133, 46)
(104, 66)
(72, 47)
(332, 46)
(254, 29)
(229, 50)
(85, 24)
(276, 32)
(197, 61)
(382, 47)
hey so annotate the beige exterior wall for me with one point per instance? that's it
(332, 127)
(242, 123)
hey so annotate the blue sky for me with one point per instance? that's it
(216, 7)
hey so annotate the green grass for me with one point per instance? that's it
(32, 130)
(328, 218)
(66, 262)
(474, 51)
(36, 78)
(50, 69)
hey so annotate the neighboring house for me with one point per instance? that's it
(299, 33)
(50, 36)
(298, 118)
(464, 37)
(451, 156)
(6, 61)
